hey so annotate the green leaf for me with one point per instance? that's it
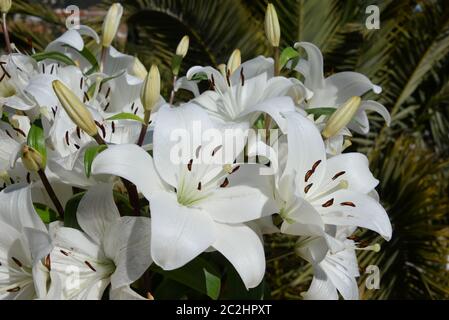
(200, 76)
(89, 157)
(320, 111)
(126, 116)
(36, 140)
(70, 210)
(198, 274)
(53, 55)
(46, 213)
(286, 55)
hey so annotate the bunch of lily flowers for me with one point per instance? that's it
(93, 120)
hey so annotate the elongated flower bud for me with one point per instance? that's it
(235, 60)
(272, 27)
(111, 24)
(138, 69)
(151, 89)
(183, 47)
(75, 109)
(32, 159)
(5, 5)
(341, 117)
(222, 69)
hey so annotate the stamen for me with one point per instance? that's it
(228, 76)
(315, 165)
(52, 69)
(132, 106)
(197, 152)
(78, 132)
(16, 289)
(199, 186)
(108, 92)
(308, 175)
(242, 77)
(135, 111)
(76, 146)
(9, 135)
(67, 138)
(216, 150)
(86, 97)
(47, 262)
(28, 177)
(338, 174)
(225, 183)
(113, 127)
(189, 165)
(81, 83)
(20, 131)
(17, 261)
(90, 266)
(106, 107)
(64, 253)
(235, 169)
(328, 203)
(307, 188)
(348, 203)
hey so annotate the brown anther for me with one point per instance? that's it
(199, 186)
(242, 77)
(308, 175)
(315, 165)
(64, 253)
(235, 169)
(90, 266)
(348, 203)
(17, 261)
(307, 188)
(67, 138)
(189, 165)
(328, 203)
(225, 183)
(16, 289)
(338, 174)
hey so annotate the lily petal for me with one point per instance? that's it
(243, 248)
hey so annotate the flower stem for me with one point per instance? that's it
(277, 72)
(6, 33)
(144, 129)
(130, 187)
(51, 193)
(172, 94)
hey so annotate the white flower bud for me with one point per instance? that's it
(235, 60)
(75, 109)
(272, 27)
(183, 47)
(222, 69)
(138, 69)
(5, 5)
(111, 24)
(151, 89)
(32, 159)
(341, 117)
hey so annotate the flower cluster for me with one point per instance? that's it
(253, 152)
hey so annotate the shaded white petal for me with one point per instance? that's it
(367, 213)
(371, 105)
(321, 287)
(244, 249)
(178, 130)
(178, 233)
(97, 211)
(305, 151)
(17, 208)
(132, 163)
(125, 293)
(351, 167)
(132, 250)
(314, 74)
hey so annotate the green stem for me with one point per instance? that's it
(51, 193)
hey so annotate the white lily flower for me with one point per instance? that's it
(333, 272)
(334, 91)
(315, 191)
(194, 205)
(242, 95)
(113, 250)
(22, 274)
